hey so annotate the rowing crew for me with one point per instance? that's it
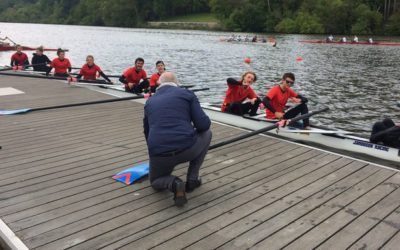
(134, 79)
(330, 39)
(241, 99)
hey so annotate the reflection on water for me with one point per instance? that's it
(359, 83)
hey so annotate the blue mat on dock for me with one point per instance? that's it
(130, 175)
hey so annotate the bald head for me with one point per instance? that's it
(168, 77)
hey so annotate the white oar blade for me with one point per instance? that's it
(13, 112)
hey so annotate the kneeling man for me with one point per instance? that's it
(177, 130)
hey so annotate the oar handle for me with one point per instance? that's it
(48, 77)
(256, 132)
(198, 90)
(88, 103)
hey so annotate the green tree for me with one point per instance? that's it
(308, 24)
(368, 21)
(393, 26)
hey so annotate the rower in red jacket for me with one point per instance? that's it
(62, 66)
(132, 76)
(240, 98)
(19, 58)
(90, 70)
(154, 80)
(277, 97)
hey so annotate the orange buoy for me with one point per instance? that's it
(299, 59)
(247, 60)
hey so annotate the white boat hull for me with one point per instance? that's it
(340, 141)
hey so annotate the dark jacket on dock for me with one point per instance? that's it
(171, 117)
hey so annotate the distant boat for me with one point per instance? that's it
(377, 43)
(6, 44)
(4, 47)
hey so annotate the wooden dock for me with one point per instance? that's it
(56, 190)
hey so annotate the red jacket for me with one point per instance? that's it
(60, 66)
(90, 73)
(19, 59)
(154, 78)
(278, 99)
(131, 75)
(237, 92)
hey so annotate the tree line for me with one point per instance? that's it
(364, 17)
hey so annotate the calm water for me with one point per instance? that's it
(359, 83)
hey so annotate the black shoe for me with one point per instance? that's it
(192, 185)
(179, 192)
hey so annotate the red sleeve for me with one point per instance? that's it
(292, 93)
(26, 57)
(69, 64)
(271, 93)
(251, 94)
(82, 71)
(98, 69)
(13, 57)
(144, 74)
(153, 80)
(126, 73)
(53, 63)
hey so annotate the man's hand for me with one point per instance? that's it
(279, 115)
(252, 101)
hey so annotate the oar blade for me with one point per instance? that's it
(130, 175)
(14, 111)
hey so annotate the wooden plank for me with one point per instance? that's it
(135, 226)
(150, 191)
(71, 184)
(329, 227)
(393, 243)
(83, 227)
(231, 229)
(135, 141)
(272, 184)
(289, 230)
(380, 234)
(88, 201)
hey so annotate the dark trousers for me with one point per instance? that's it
(239, 108)
(138, 88)
(299, 109)
(161, 167)
(41, 68)
(61, 74)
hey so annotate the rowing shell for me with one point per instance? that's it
(334, 139)
(9, 48)
(351, 43)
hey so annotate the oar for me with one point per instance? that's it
(26, 110)
(93, 84)
(263, 130)
(25, 66)
(47, 77)
(9, 39)
(137, 172)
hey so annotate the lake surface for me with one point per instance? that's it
(359, 83)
